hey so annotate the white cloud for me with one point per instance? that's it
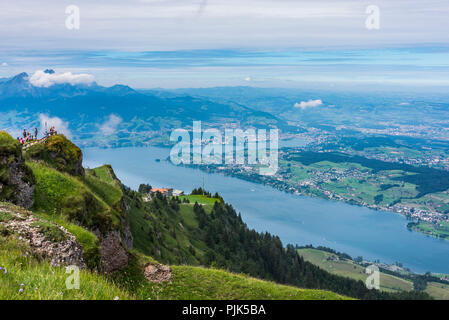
(308, 104)
(248, 79)
(43, 79)
(110, 125)
(249, 23)
(60, 125)
(4, 64)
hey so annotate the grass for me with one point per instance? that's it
(5, 216)
(166, 235)
(205, 201)
(58, 193)
(50, 230)
(437, 290)
(200, 199)
(39, 280)
(93, 202)
(89, 241)
(440, 230)
(58, 152)
(42, 281)
(198, 283)
(351, 270)
(8, 145)
(102, 181)
(106, 174)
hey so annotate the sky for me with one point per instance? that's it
(198, 43)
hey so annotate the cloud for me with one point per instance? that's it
(110, 125)
(45, 79)
(308, 104)
(4, 64)
(248, 79)
(60, 125)
(120, 24)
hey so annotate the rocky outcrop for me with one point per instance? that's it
(45, 239)
(16, 179)
(60, 153)
(19, 177)
(113, 255)
(126, 235)
(157, 272)
(114, 243)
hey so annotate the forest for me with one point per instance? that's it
(229, 244)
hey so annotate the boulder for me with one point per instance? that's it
(113, 255)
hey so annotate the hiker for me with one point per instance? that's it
(24, 133)
(35, 132)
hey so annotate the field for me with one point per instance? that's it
(366, 181)
(438, 290)
(200, 199)
(438, 230)
(350, 269)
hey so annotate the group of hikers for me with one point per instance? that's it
(28, 136)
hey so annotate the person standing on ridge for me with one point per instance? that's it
(35, 133)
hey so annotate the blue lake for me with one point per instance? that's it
(295, 219)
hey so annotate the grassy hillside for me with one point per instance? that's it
(199, 283)
(210, 232)
(61, 194)
(168, 230)
(58, 152)
(23, 276)
(350, 269)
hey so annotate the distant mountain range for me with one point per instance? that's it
(139, 116)
(375, 109)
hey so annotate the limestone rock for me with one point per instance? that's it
(157, 272)
(65, 252)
